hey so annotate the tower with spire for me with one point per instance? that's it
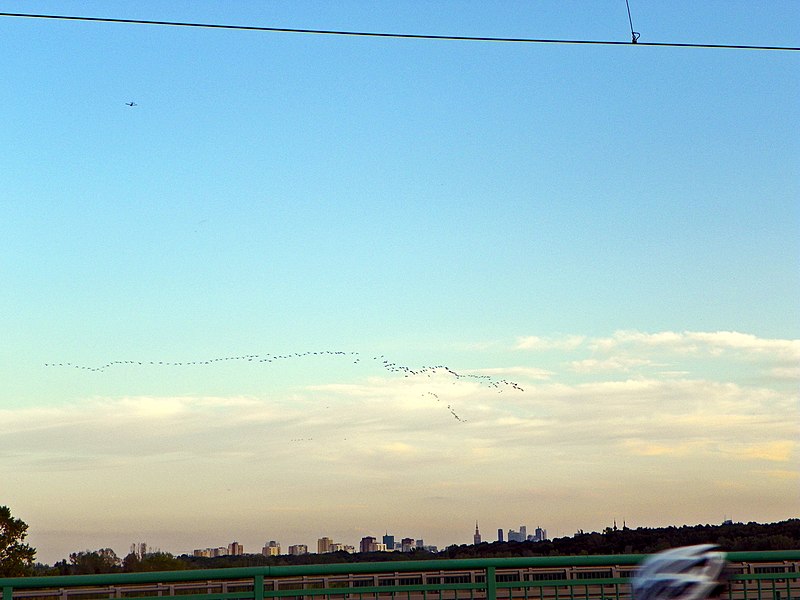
(476, 539)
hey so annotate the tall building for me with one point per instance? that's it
(367, 544)
(324, 545)
(499, 535)
(523, 533)
(235, 549)
(272, 548)
(388, 540)
(407, 544)
(540, 535)
(420, 544)
(476, 539)
(298, 549)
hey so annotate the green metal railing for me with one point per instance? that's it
(755, 576)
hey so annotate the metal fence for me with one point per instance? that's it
(753, 576)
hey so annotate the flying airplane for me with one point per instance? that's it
(130, 104)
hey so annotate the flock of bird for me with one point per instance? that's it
(392, 367)
(449, 407)
(355, 357)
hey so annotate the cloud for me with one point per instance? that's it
(774, 451)
(617, 363)
(428, 418)
(544, 343)
(672, 354)
(698, 341)
(647, 448)
(791, 373)
(784, 474)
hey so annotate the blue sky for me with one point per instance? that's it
(613, 228)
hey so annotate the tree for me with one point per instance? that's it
(90, 562)
(16, 557)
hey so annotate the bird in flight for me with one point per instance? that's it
(130, 104)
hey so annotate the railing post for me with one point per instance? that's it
(491, 583)
(258, 587)
(8, 592)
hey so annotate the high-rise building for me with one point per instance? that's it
(407, 544)
(523, 533)
(476, 539)
(235, 549)
(420, 544)
(367, 544)
(388, 541)
(298, 549)
(324, 545)
(499, 535)
(272, 548)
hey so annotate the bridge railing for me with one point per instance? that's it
(754, 576)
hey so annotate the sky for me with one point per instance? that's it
(336, 286)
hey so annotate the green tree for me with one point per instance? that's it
(89, 562)
(16, 557)
(154, 561)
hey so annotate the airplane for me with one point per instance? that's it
(130, 104)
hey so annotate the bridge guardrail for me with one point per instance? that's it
(755, 576)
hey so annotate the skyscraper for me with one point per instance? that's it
(476, 539)
(272, 548)
(235, 549)
(324, 545)
(367, 544)
(499, 535)
(388, 540)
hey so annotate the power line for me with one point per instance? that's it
(634, 34)
(413, 36)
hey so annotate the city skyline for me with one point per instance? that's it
(271, 286)
(369, 543)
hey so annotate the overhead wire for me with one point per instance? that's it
(634, 34)
(413, 36)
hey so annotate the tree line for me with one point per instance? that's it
(730, 537)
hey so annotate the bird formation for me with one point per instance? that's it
(449, 407)
(354, 357)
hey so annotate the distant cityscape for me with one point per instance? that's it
(387, 543)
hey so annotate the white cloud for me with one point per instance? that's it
(792, 373)
(673, 354)
(617, 363)
(699, 341)
(532, 342)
